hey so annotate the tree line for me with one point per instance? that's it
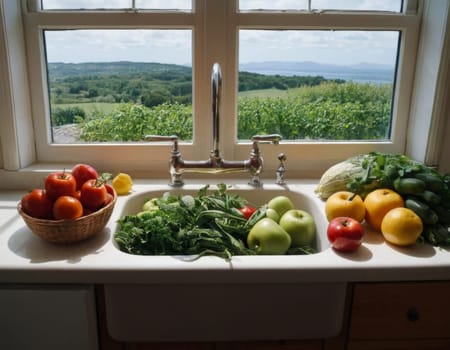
(149, 84)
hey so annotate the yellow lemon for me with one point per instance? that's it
(122, 183)
(401, 226)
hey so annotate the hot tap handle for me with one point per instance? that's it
(272, 138)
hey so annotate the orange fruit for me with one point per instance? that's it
(378, 203)
(401, 226)
(345, 203)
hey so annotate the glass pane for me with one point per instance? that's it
(273, 5)
(316, 85)
(85, 4)
(119, 85)
(367, 5)
(164, 4)
(116, 4)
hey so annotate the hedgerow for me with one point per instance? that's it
(329, 111)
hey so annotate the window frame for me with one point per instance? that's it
(310, 158)
(223, 21)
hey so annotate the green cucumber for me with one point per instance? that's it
(409, 185)
(437, 235)
(432, 182)
(430, 198)
(443, 214)
(427, 214)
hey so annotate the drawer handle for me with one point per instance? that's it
(412, 314)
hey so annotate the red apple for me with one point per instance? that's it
(345, 234)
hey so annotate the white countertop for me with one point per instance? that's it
(25, 258)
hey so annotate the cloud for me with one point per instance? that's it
(168, 46)
(325, 46)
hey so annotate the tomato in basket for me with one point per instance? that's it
(67, 207)
(37, 204)
(82, 173)
(60, 184)
(93, 194)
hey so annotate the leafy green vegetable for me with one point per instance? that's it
(380, 170)
(208, 224)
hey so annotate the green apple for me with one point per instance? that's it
(150, 205)
(268, 238)
(280, 204)
(272, 214)
(300, 225)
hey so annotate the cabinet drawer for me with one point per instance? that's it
(400, 310)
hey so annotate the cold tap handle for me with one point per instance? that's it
(162, 138)
(170, 138)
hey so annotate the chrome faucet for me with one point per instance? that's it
(215, 164)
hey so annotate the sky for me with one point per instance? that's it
(174, 46)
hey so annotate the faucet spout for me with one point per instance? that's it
(215, 164)
(216, 90)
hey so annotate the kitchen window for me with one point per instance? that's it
(202, 32)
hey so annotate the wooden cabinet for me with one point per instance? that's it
(412, 315)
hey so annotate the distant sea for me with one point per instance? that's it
(362, 73)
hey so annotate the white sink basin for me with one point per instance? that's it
(211, 310)
(255, 196)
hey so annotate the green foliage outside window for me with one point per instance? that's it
(330, 111)
(131, 122)
(69, 115)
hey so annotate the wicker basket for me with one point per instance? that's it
(69, 231)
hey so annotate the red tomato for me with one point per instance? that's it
(82, 173)
(345, 234)
(77, 195)
(93, 194)
(60, 184)
(110, 189)
(109, 198)
(247, 211)
(67, 207)
(37, 204)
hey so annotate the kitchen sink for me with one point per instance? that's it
(212, 299)
(255, 196)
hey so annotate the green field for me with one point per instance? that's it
(265, 93)
(89, 107)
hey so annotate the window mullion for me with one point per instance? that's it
(210, 47)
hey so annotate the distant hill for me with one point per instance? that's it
(58, 70)
(364, 72)
(148, 83)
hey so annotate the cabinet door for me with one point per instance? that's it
(47, 317)
(400, 311)
(247, 345)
